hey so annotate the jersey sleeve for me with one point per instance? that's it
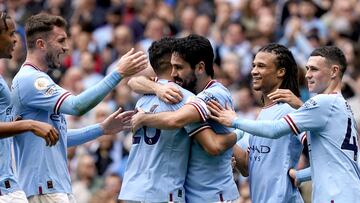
(311, 116)
(41, 92)
(217, 94)
(196, 127)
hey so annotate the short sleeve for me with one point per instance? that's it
(40, 91)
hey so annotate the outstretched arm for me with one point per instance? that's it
(128, 65)
(166, 120)
(115, 123)
(44, 130)
(268, 129)
(168, 93)
(214, 144)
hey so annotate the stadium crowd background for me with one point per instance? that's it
(101, 31)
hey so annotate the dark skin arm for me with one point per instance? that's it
(44, 130)
(242, 159)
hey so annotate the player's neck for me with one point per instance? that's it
(36, 61)
(201, 83)
(266, 100)
(333, 87)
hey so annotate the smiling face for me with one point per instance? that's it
(182, 73)
(7, 39)
(318, 74)
(265, 75)
(56, 47)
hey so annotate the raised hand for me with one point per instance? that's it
(169, 93)
(44, 130)
(220, 114)
(132, 63)
(117, 122)
(136, 121)
(286, 96)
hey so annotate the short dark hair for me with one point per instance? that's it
(195, 48)
(158, 50)
(285, 59)
(333, 55)
(40, 25)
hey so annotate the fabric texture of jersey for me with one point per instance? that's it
(8, 181)
(270, 160)
(210, 178)
(42, 169)
(158, 159)
(333, 147)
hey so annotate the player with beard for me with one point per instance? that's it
(209, 178)
(43, 171)
(9, 188)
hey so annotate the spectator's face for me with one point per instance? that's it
(266, 77)
(56, 47)
(7, 39)
(182, 73)
(318, 74)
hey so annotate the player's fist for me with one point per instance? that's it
(46, 131)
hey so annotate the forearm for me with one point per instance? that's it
(142, 85)
(172, 120)
(303, 175)
(267, 129)
(214, 144)
(241, 158)
(83, 135)
(82, 103)
(8, 129)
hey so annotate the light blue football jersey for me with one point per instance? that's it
(158, 159)
(210, 178)
(41, 169)
(333, 147)
(270, 160)
(8, 181)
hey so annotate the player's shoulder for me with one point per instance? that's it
(284, 107)
(320, 101)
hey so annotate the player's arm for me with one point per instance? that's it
(128, 65)
(214, 144)
(143, 85)
(113, 124)
(166, 120)
(242, 158)
(44, 130)
(299, 176)
(268, 129)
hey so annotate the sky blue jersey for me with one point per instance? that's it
(333, 147)
(41, 169)
(158, 159)
(8, 181)
(270, 160)
(210, 178)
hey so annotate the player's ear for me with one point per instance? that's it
(40, 43)
(281, 72)
(335, 71)
(200, 67)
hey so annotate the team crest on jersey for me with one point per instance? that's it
(309, 104)
(41, 83)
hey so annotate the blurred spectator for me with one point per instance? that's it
(87, 181)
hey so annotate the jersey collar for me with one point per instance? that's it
(31, 65)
